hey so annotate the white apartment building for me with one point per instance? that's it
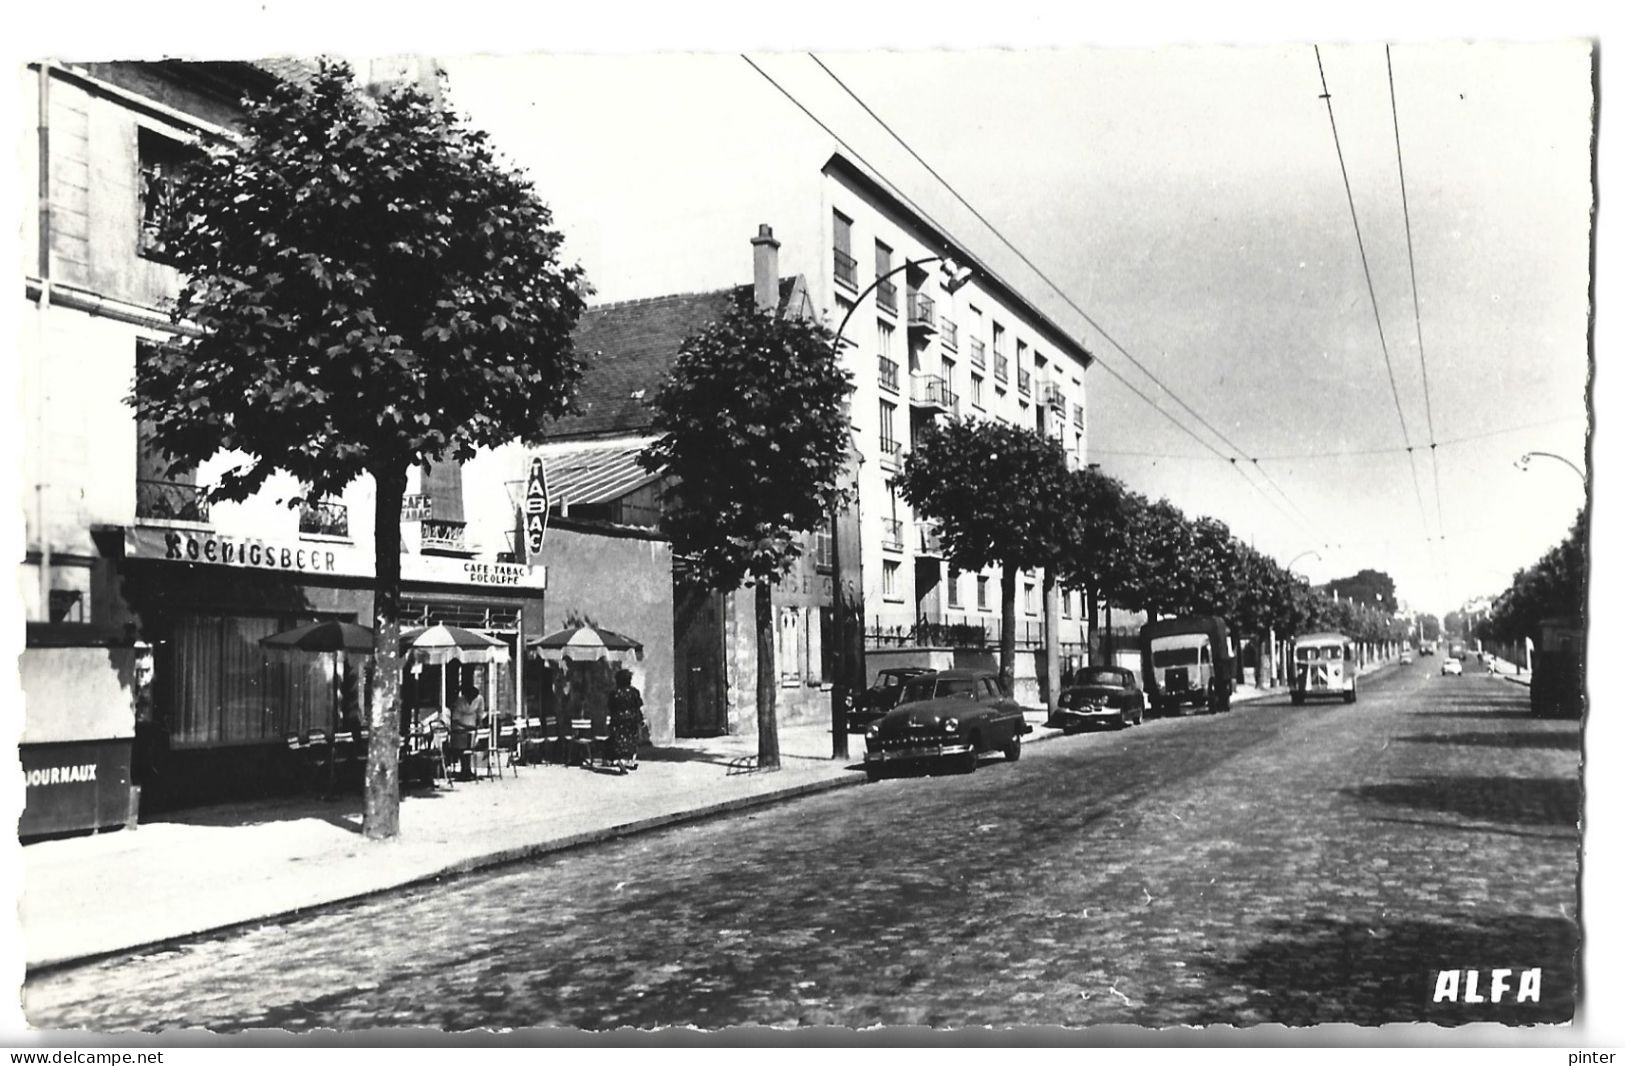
(921, 348)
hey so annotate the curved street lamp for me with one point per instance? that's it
(1300, 555)
(1523, 464)
(849, 670)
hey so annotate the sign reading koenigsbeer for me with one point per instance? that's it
(210, 548)
(535, 508)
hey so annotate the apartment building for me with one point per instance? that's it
(924, 343)
(145, 603)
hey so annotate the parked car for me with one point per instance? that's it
(1451, 667)
(873, 702)
(1106, 695)
(952, 715)
(1404, 658)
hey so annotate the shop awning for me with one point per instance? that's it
(595, 475)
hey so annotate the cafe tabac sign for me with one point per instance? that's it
(210, 548)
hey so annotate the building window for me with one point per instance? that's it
(1028, 601)
(981, 592)
(888, 432)
(976, 390)
(1066, 604)
(885, 291)
(843, 308)
(888, 579)
(789, 646)
(883, 338)
(161, 160)
(846, 267)
(953, 586)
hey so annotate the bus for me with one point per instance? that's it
(1323, 664)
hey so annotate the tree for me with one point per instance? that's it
(372, 291)
(754, 436)
(997, 494)
(1555, 585)
(1097, 553)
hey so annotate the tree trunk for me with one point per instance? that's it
(1093, 639)
(381, 804)
(767, 719)
(1007, 630)
(1052, 641)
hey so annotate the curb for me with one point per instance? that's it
(475, 864)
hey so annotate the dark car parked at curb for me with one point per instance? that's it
(873, 702)
(953, 715)
(1100, 695)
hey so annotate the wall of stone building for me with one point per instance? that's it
(803, 693)
(621, 579)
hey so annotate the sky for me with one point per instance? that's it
(1189, 207)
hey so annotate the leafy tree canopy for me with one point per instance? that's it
(996, 492)
(754, 436)
(373, 290)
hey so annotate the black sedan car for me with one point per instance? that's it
(873, 702)
(1100, 695)
(949, 715)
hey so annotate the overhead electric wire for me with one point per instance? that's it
(1240, 452)
(1365, 265)
(1287, 456)
(1416, 307)
(1233, 460)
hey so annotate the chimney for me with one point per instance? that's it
(767, 268)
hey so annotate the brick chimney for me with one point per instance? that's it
(767, 268)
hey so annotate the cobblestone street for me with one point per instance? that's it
(1276, 864)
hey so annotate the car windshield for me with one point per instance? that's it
(891, 680)
(1102, 676)
(1174, 657)
(926, 688)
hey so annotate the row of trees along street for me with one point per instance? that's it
(367, 288)
(1003, 494)
(1555, 585)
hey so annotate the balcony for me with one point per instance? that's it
(930, 540)
(929, 392)
(1024, 382)
(171, 501)
(891, 534)
(846, 270)
(1077, 415)
(1054, 397)
(886, 296)
(324, 519)
(978, 354)
(888, 374)
(891, 455)
(922, 314)
(950, 335)
(1001, 368)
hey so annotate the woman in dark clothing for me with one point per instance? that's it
(625, 722)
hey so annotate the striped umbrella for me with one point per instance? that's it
(437, 645)
(587, 643)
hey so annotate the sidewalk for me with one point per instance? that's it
(213, 868)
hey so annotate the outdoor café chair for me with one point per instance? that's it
(507, 749)
(582, 744)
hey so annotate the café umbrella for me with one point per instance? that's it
(440, 644)
(587, 643)
(322, 637)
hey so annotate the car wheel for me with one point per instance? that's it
(967, 761)
(1351, 695)
(875, 773)
(1297, 699)
(1012, 750)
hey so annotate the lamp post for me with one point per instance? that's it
(1523, 464)
(849, 666)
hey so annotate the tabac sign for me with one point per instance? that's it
(535, 514)
(208, 547)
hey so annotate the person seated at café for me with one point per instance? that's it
(468, 712)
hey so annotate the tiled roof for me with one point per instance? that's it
(594, 475)
(627, 350)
